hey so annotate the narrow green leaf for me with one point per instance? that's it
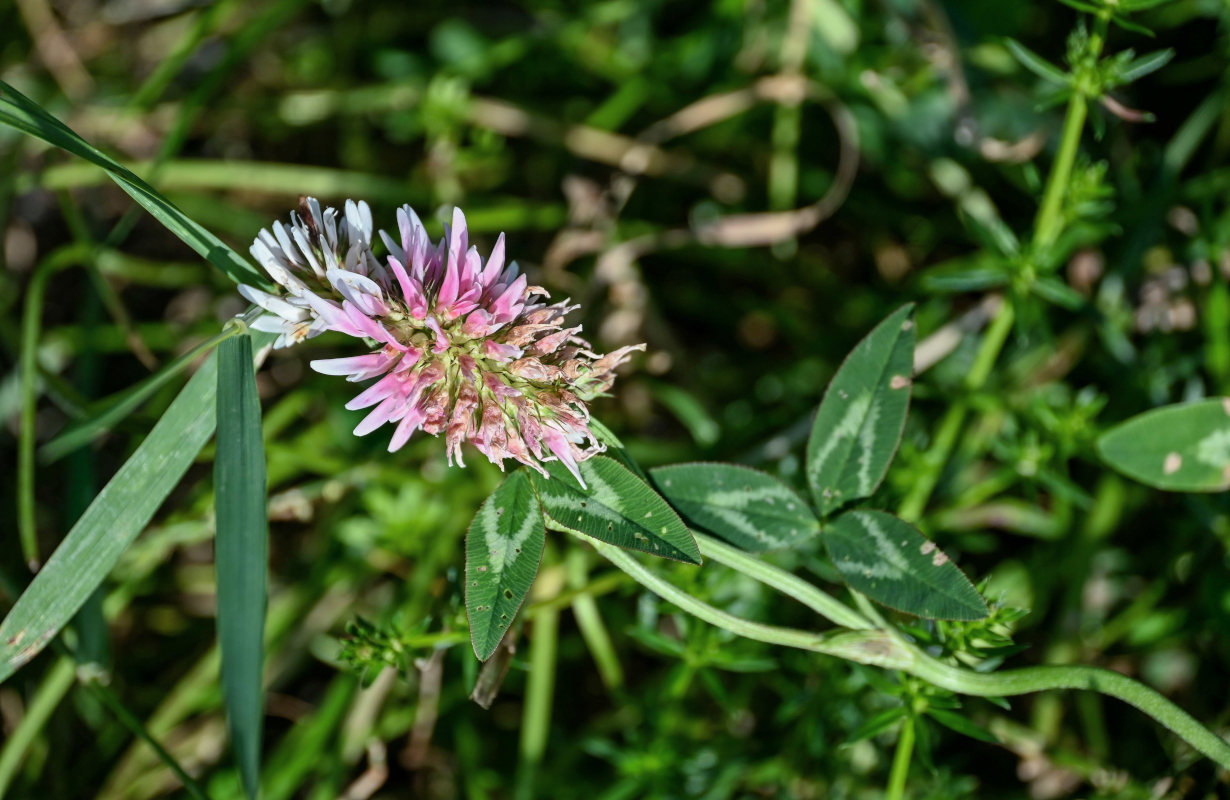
(115, 517)
(617, 507)
(744, 506)
(962, 725)
(886, 559)
(112, 521)
(967, 275)
(1180, 448)
(1053, 290)
(1124, 23)
(1140, 67)
(241, 552)
(111, 411)
(503, 550)
(861, 418)
(1036, 63)
(878, 723)
(25, 115)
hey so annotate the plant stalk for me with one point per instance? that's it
(901, 762)
(889, 650)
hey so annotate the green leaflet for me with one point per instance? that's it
(25, 115)
(241, 553)
(503, 550)
(120, 511)
(618, 508)
(861, 418)
(888, 560)
(744, 506)
(1181, 448)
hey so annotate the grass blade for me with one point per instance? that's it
(47, 698)
(22, 113)
(120, 511)
(241, 552)
(112, 410)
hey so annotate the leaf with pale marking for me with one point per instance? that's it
(744, 506)
(859, 424)
(1180, 448)
(503, 551)
(888, 560)
(617, 507)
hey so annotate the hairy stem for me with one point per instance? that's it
(822, 603)
(888, 649)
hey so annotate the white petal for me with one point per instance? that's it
(274, 304)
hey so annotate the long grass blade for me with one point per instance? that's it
(22, 113)
(109, 412)
(241, 552)
(120, 511)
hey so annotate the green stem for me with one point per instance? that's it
(901, 762)
(1050, 220)
(863, 646)
(52, 690)
(105, 414)
(889, 650)
(791, 585)
(31, 326)
(536, 718)
(1096, 679)
(954, 419)
(130, 721)
(589, 620)
(1047, 227)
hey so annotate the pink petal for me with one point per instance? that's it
(377, 392)
(377, 417)
(408, 425)
(495, 263)
(501, 352)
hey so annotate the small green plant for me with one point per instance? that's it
(843, 514)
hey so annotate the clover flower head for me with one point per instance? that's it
(460, 346)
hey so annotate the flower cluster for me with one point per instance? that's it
(460, 347)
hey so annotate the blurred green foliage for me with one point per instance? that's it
(613, 141)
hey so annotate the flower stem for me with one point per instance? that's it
(822, 603)
(1102, 681)
(889, 650)
(901, 762)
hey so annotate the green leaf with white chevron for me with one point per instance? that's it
(616, 507)
(888, 560)
(744, 506)
(503, 551)
(859, 424)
